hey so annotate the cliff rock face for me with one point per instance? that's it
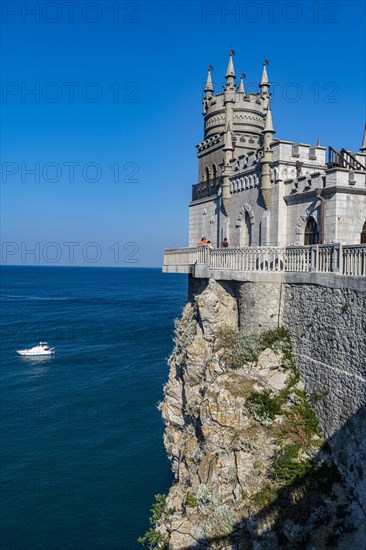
(250, 464)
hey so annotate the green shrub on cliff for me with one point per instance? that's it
(264, 406)
(239, 347)
(288, 465)
(153, 539)
(274, 339)
(191, 500)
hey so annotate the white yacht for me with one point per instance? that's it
(42, 349)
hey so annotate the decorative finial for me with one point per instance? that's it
(264, 79)
(230, 71)
(209, 86)
(241, 87)
(318, 142)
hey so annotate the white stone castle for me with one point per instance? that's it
(255, 189)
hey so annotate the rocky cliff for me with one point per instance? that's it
(251, 467)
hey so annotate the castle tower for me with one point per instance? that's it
(209, 90)
(234, 124)
(230, 90)
(227, 171)
(229, 100)
(264, 84)
(266, 184)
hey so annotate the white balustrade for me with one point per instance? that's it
(330, 258)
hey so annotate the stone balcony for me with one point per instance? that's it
(272, 263)
(205, 189)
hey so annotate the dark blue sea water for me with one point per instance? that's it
(81, 439)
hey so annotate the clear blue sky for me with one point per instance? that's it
(160, 52)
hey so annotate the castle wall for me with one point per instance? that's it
(328, 327)
(204, 221)
(345, 215)
(282, 224)
(297, 214)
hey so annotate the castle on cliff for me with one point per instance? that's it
(257, 189)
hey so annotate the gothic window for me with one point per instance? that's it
(214, 171)
(246, 231)
(311, 231)
(207, 174)
(363, 234)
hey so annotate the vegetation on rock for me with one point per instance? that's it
(153, 539)
(246, 449)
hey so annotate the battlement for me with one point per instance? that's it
(248, 114)
(298, 152)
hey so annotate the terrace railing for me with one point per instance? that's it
(343, 159)
(329, 258)
(205, 189)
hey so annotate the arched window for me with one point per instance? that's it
(207, 174)
(214, 171)
(363, 234)
(311, 231)
(246, 231)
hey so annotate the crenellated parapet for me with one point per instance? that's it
(247, 115)
(208, 143)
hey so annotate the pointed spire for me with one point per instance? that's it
(318, 142)
(209, 86)
(264, 83)
(230, 71)
(230, 74)
(241, 87)
(363, 146)
(228, 139)
(264, 79)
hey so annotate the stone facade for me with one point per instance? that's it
(258, 190)
(328, 327)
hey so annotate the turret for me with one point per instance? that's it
(230, 72)
(241, 86)
(264, 84)
(230, 91)
(268, 131)
(363, 146)
(227, 171)
(209, 89)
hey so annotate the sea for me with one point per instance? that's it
(82, 452)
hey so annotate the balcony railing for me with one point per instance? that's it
(205, 189)
(329, 258)
(343, 159)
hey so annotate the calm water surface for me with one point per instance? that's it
(81, 438)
